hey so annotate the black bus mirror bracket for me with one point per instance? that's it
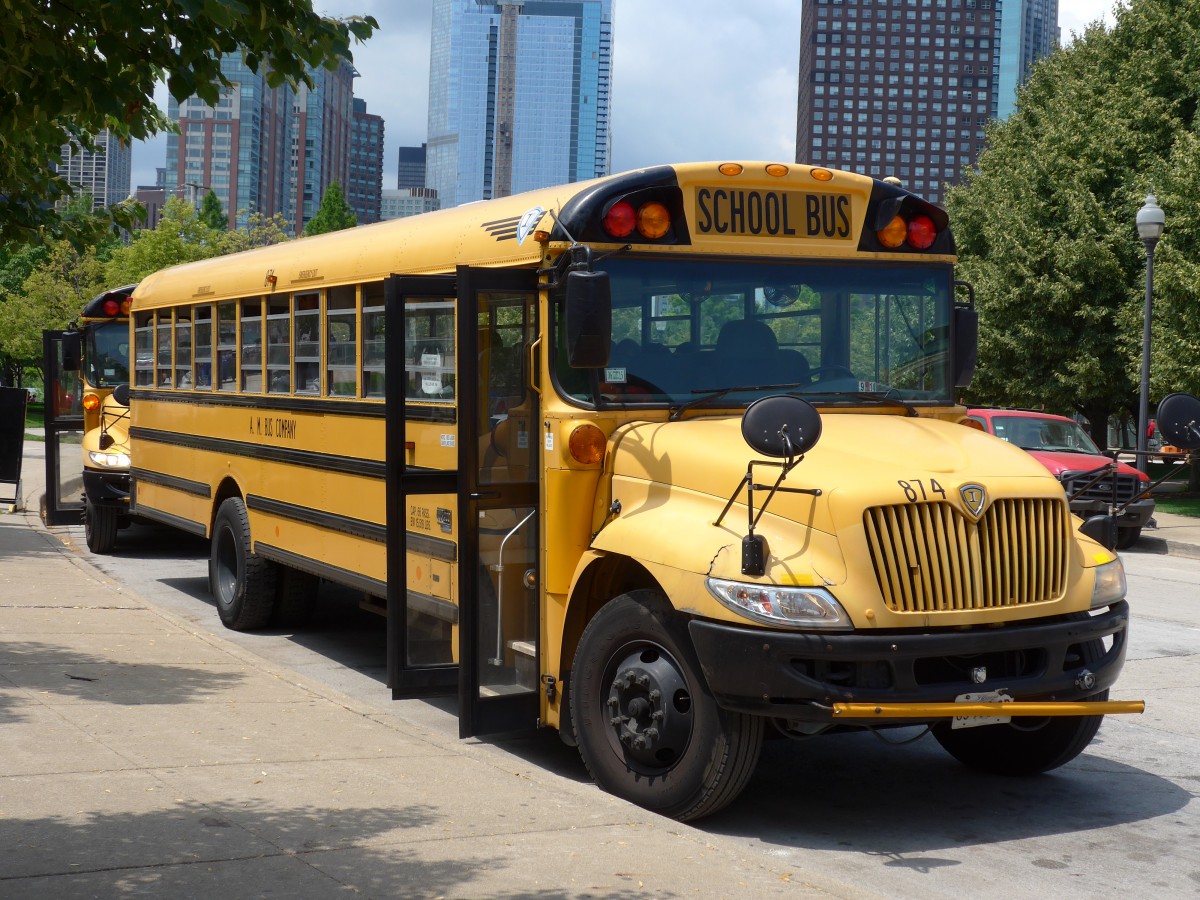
(966, 339)
(71, 351)
(588, 317)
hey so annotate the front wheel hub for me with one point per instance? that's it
(650, 707)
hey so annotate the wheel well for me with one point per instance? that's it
(226, 489)
(604, 579)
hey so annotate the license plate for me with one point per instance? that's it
(976, 721)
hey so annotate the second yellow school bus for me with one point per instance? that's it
(663, 460)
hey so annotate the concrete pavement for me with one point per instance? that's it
(140, 756)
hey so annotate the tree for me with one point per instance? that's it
(261, 231)
(179, 237)
(50, 297)
(211, 214)
(1045, 224)
(333, 214)
(68, 71)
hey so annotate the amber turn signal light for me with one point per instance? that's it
(586, 444)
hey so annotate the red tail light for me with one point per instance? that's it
(921, 232)
(620, 220)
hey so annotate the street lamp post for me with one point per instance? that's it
(1150, 223)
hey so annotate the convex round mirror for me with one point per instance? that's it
(1179, 420)
(781, 426)
(121, 394)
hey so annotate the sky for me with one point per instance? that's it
(692, 79)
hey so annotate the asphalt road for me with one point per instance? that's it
(906, 821)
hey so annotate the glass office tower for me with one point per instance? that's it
(518, 96)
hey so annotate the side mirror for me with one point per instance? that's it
(1179, 420)
(121, 393)
(588, 316)
(72, 351)
(1102, 529)
(966, 344)
(781, 426)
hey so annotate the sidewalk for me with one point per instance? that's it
(139, 757)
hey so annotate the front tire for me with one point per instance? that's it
(647, 727)
(1027, 745)
(1127, 537)
(242, 582)
(100, 527)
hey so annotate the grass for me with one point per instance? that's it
(35, 417)
(1177, 505)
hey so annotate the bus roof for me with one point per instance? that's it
(757, 208)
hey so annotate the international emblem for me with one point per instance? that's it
(974, 498)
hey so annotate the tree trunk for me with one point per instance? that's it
(1097, 415)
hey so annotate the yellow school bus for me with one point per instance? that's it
(103, 336)
(667, 461)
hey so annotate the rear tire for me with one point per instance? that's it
(647, 727)
(242, 582)
(100, 527)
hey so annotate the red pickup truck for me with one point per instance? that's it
(1063, 447)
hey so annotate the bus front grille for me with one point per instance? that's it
(929, 557)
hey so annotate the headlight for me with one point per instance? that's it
(109, 460)
(798, 607)
(1110, 584)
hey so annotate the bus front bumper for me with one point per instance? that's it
(106, 488)
(840, 677)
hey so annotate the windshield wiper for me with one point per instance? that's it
(718, 393)
(880, 398)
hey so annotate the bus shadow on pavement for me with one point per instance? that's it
(904, 802)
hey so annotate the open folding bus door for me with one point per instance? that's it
(462, 494)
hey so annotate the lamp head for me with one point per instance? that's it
(1150, 219)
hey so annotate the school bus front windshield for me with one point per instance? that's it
(682, 329)
(107, 354)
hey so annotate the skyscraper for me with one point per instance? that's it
(1028, 32)
(366, 163)
(410, 173)
(320, 140)
(896, 87)
(518, 96)
(263, 149)
(104, 173)
(238, 149)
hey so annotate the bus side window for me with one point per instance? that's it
(227, 346)
(306, 337)
(279, 346)
(203, 348)
(251, 346)
(373, 339)
(342, 342)
(143, 350)
(163, 349)
(183, 348)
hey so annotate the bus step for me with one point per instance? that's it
(525, 661)
(376, 605)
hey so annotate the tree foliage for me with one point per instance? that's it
(211, 213)
(1045, 225)
(179, 237)
(50, 297)
(333, 214)
(68, 71)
